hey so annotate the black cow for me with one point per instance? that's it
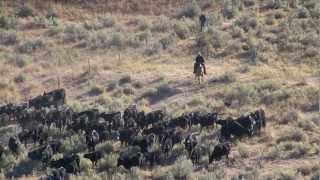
(242, 126)
(58, 174)
(26, 118)
(130, 112)
(14, 146)
(1, 150)
(79, 123)
(153, 117)
(8, 109)
(71, 163)
(55, 146)
(175, 135)
(260, 119)
(109, 135)
(206, 120)
(43, 153)
(190, 142)
(24, 136)
(114, 119)
(222, 149)
(144, 142)
(61, 117)
(196, 154)
(157, 129)
(167, 147)
(91, 114)
(183, 121)
(130, 157)
(153, 157)
(54, 98)
(92, 139)
(94, 157)
(125, 135)
(4, 119)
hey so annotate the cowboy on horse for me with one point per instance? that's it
(199, 61)
(199, 68)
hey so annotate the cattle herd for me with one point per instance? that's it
(137, 131)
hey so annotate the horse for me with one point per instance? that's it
(199, 73)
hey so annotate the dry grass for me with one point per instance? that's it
(155, 70)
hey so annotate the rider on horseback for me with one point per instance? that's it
(199, 60)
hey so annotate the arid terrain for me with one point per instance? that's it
(112, 54)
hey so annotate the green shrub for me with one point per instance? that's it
(233, 47)
(125, 80)
(5, 161)
(243, 150)
(54, 31)
(85, 166)
(118, 40)
(311, 52)
(74, 144)
(137, 85)
(162, 24)
(269, 20)
(182, 169)
(20, 78)
(278, 96)
(96, 90)
(128, 91)
(142, 24)
(292, 134)
(246, 23)
(248, 3)
(181, 30)
(303, 12)
(93, 25)
(225, 78)
(25, 11)
(163, 175)
(289, 117)
(38, 22)
(106, 148)
(286, 174)
(134, 42)
(243, 93)
(228, 11)
(145, 36)
(191, 10)
(108, 22)
(272, 153)
(8, 38)
(307, 125)
(20, 61)
(74, 33)
(30, 46)
(8, 22)
(109, 162)
(51, 14)
(98, 40)
(294, 149)
(166, 41)
(153, 49)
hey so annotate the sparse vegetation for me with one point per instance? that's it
(258, 55)
(8, 38)
(29, 46)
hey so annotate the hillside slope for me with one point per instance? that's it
(110, 55)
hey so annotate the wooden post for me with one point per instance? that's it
(89, 66)
(58, 81)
